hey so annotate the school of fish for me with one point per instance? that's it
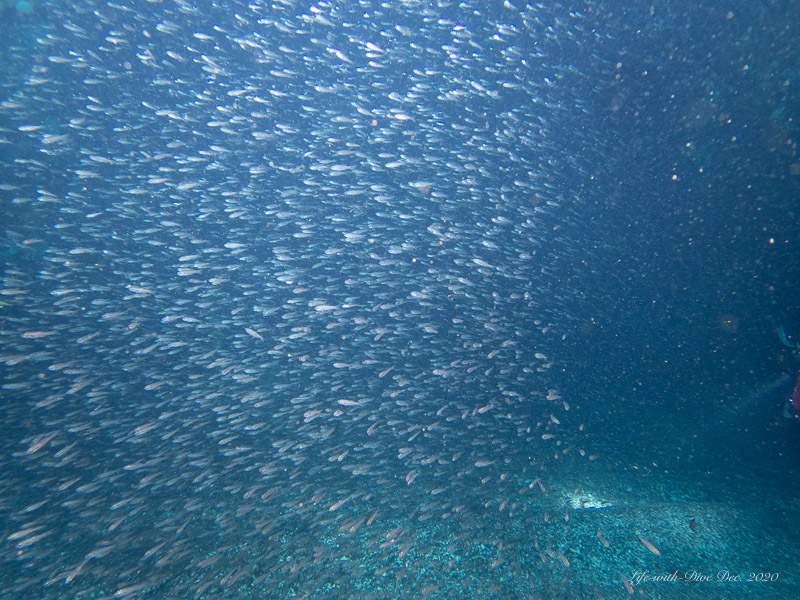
(283, 290)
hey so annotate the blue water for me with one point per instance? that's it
(398, 300)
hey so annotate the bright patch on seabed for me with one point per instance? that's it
(585, 500)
